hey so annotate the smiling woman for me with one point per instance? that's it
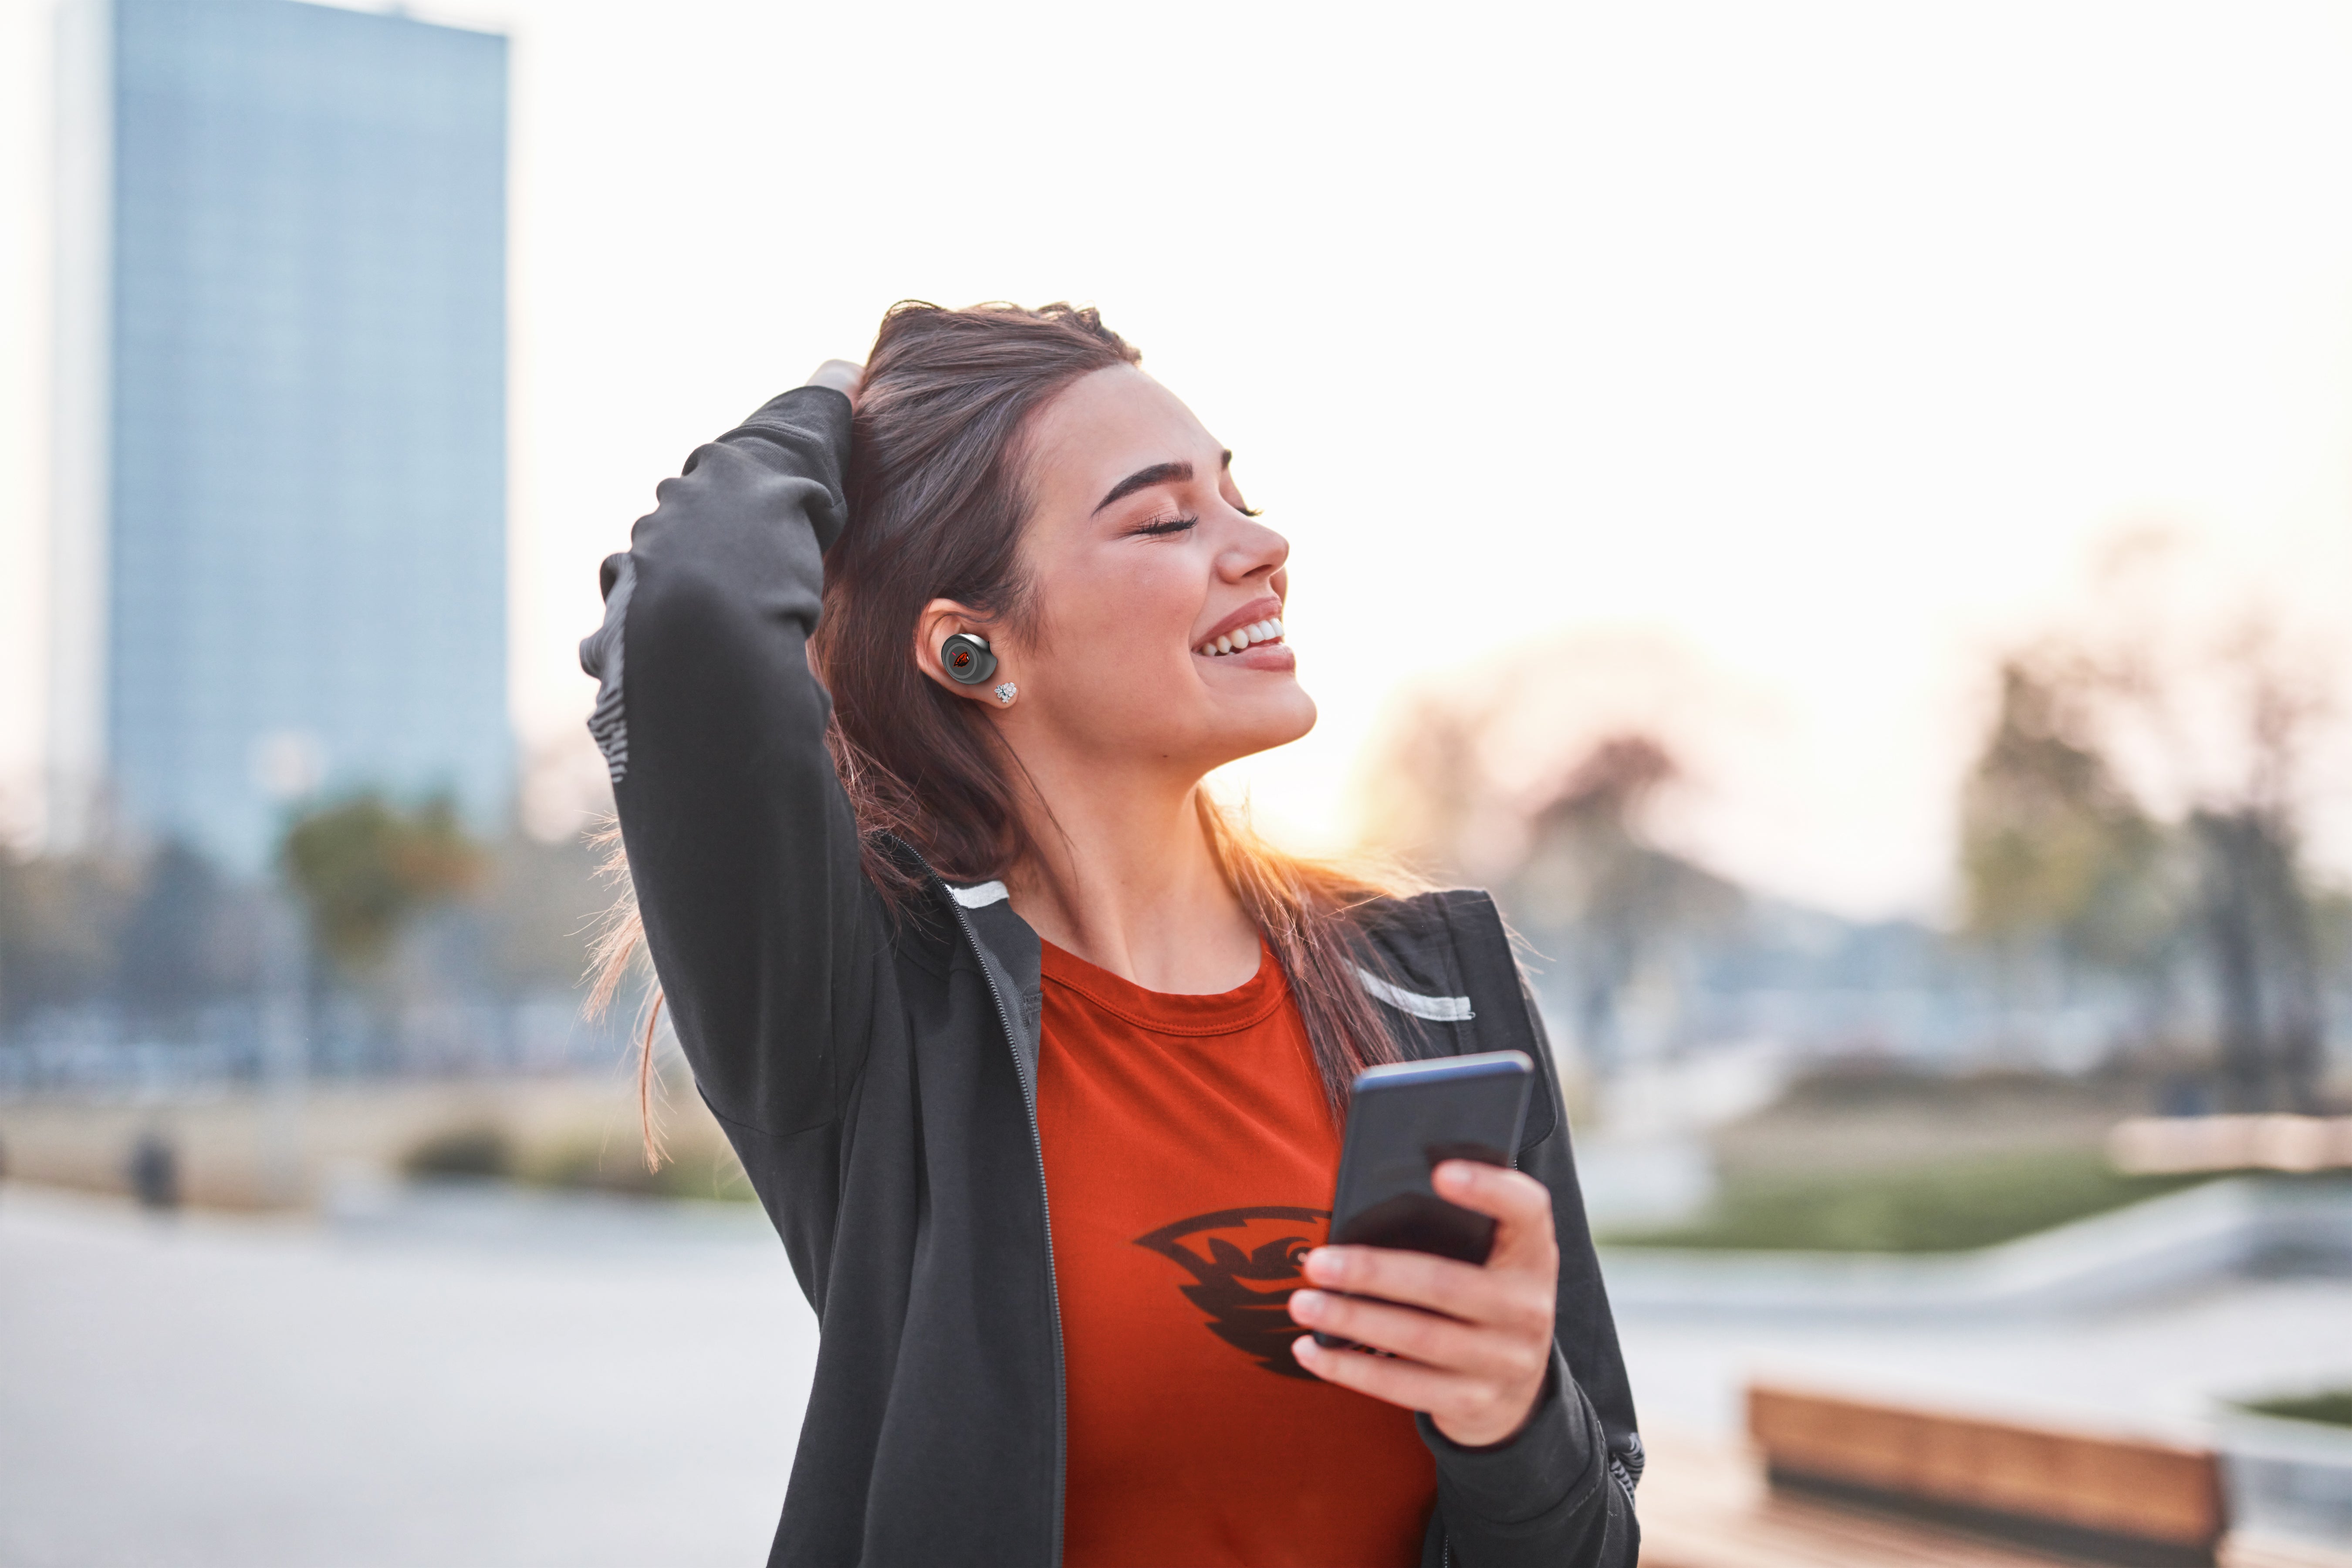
(907, 689)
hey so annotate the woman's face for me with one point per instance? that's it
(1143, 555)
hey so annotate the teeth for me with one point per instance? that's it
(1267, 630)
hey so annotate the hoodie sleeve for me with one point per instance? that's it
(741, 843)
(1560, 1492)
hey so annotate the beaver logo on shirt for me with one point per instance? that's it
(1244, 1265)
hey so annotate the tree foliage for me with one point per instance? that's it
(365, 868)
(60, 917)
(2061, 852)
(1591, 875)
(2052, 842)
(1572, 858)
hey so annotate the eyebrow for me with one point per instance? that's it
(1144, 478)
(1157, 474)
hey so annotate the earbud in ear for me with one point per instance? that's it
(966, 659)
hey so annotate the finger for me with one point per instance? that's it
(1520, 1205)
(1469, 1411)
(843, 375)
(1440, 1343)
(1463, 1291)
(1513, 1197)
(1404, 1383)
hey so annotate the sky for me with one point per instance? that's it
(1812, 354)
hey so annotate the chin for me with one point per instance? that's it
(1275, 720)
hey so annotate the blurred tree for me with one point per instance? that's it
(1428, 785)
(365, 868)
(2057, 848)
(2257, 906)
(1570, 859)
(419, 921)
(2053, 847)
(1615, 903)
(2256, 919)
(540, 904)
(59, 919)
(190, 938)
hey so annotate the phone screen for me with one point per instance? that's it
(1402, 1121)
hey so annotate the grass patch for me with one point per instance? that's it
(698, 1168)
(482, 1151)
(694, 1171)
(1952, 1206)
(2334, 1409)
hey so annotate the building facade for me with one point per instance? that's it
(280, 541)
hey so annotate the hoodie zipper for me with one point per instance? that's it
(1045, 1212)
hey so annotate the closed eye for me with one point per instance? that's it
(1161, 527)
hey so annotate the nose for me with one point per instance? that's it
(1255, 551)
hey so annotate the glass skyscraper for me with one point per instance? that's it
(281, 533)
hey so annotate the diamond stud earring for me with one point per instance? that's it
(1006, 693)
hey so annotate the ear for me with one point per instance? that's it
(942, 619)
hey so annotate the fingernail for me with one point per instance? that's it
(1323, 1266)
(1455, 1173)
(1305, 1348)
(1306, 1304)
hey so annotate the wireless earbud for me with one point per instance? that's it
(966, 659)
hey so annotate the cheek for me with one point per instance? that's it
(1115, 624)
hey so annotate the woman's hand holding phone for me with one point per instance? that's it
(1471, 1345)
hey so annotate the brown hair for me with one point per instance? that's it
(937, 502)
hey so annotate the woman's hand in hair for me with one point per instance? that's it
(1476, 1353)
(844, 376)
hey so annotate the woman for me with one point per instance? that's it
(1036, 1061)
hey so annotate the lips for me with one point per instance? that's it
(1255, 625)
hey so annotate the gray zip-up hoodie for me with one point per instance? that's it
(877, 1072)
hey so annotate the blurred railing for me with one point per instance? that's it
(104, 1051)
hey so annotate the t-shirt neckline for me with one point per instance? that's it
(1169, 1011)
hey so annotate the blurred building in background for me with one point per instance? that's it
(280, 548)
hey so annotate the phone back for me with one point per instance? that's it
(1406, 1117)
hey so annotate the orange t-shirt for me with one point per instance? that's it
(1188, 1159)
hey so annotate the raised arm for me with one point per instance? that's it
(740, 840)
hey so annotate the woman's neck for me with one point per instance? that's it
(1123, 877)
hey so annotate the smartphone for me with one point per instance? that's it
(1404, 1120)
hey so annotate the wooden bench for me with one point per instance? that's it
(2096, 1498)
(1705, 1504)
